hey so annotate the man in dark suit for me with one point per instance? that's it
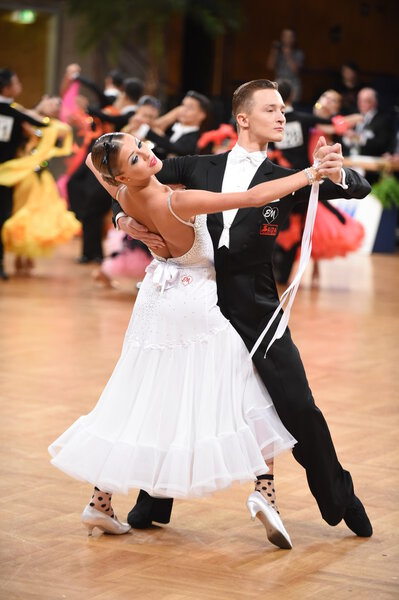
(87, 197)
(182, 137)
(125, 104)
(374, 135)
(247, 294)
(12, 119)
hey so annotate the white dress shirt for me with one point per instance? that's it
(241, 167)
(179, 130)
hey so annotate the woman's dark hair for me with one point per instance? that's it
(105, 156)
(116, 77)
(5, 78)
(133, 88)
(149, 101)
(202, 100)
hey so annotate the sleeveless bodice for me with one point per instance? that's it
(201, 252)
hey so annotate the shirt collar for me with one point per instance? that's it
(370, 115)
(183, 129)
(112, 92)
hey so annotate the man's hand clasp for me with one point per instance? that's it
(137, 231)
(329, 160)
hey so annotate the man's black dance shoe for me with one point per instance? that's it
(149, 509)
(357, 520)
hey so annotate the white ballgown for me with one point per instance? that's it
(184, 413)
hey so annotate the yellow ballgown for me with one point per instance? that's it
(43, 221)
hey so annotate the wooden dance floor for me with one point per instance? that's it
(60, 337)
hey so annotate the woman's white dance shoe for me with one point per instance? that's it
(92, 518)
(275, 530)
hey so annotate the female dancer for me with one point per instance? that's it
(183, 413)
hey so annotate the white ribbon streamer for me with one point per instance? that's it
(289, 295)
(164, 274)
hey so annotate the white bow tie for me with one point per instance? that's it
(255, 158)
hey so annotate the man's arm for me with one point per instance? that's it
(102, 98)
(118, 121)
(23, 116)
(167, 120)
(187, 144)
(355, 186)
(340, 182)
(382, 134)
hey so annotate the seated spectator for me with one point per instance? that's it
(373, 136)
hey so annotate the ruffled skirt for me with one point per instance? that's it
(42, 220)
(330, 237)
(184, 413)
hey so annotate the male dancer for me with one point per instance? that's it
(243, 245)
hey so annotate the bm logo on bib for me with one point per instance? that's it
(270, 214)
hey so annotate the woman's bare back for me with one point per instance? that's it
(153, 212)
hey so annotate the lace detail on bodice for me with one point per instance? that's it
(201, 252)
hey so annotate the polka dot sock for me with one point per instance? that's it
(102, 501)
(265, 486)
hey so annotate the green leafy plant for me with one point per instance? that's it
(386, 190)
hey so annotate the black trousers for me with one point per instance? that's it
(92, 236)
(6, 194)
(284, 376)
(90, 202)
